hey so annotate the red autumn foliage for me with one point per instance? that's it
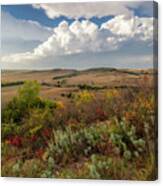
(33, 138)
(101, 115)
(39, 152)
(16, 141)
(46, 132)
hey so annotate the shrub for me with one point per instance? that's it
(8, 84)
(83, 97)
(75, 144)
(28, 98)
(29, 92)
(10, 128)
(98, 167)
(90, 87)
(127, 141)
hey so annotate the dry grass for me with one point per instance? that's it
(107, 78)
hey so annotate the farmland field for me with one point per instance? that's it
(96, 123)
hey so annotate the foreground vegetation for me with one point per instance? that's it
(110, 136)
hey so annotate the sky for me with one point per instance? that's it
(78, 35)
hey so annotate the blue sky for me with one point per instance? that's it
(27, 12)
(83, 35)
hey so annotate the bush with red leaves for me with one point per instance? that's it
(101, 115)
(16, 141)
(39, 152)
(46, 133)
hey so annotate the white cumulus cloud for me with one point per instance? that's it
(140, 28)
(86, 36)
(91, 9)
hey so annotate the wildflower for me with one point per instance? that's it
(7, 141)
(33, 138)
(147, 104)
(100, 114)
(59, 105)
(112, 93)
(84, 97)
(16, 141)
(72, 121)
(46, 132)
(39, 152)
(130, 115)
